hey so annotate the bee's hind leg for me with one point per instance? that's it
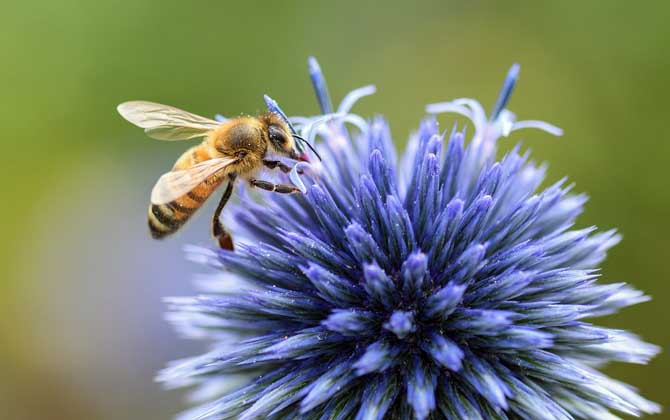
(226, 241)
(218, 231)
(278, 188)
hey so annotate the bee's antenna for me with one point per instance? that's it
(308, 145)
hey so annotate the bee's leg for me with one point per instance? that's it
(278, 188)
(219, 232)
(272, 164)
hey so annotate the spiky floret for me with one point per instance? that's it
(444, 286)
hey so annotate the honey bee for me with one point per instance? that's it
(230, 150)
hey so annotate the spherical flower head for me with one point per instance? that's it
(446, 285)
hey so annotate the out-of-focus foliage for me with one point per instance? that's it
(81, 282)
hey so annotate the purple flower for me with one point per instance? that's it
(446, 285)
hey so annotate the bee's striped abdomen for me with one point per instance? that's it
(165, 219)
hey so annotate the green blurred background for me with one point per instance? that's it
(81, 283)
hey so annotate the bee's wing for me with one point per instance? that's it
(175, 184)
(165, 122)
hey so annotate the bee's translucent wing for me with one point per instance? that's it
(165, 122)
(175, 184)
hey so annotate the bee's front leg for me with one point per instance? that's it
(273, 164)
(269, 186)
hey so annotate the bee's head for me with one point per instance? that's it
(276, 117)
(280, 137)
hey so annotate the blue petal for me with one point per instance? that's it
(421, 383)
(378, 357)
(414, 274)
(332, 288)
(320, 86)
(336, 380)
(401, 323)
(378, 398)
(364, 247)
(350, 322)
(445, 352)
(379, 286)
(443, 302)
(506, 91)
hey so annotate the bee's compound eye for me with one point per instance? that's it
(276, 135)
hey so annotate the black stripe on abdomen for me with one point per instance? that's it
(196, 197)
(162, 221)
(175, 206)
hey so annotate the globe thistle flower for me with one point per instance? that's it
(445, 284)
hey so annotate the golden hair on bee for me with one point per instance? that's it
(230, 150)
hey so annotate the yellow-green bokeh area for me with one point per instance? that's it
(81, 283)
